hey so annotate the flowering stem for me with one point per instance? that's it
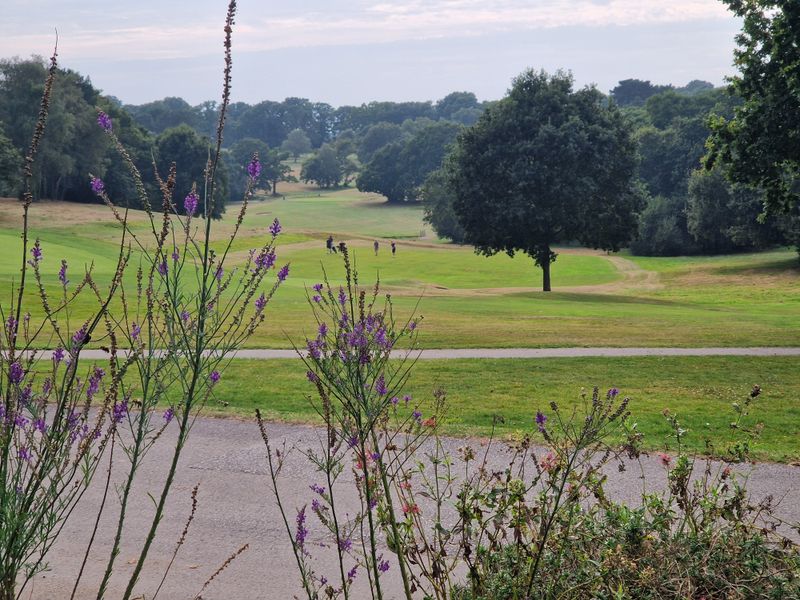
(372, 544)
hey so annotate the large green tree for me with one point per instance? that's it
(10, 167)
(546, 165)
(296, 143)
(760, 145)
(189, 151)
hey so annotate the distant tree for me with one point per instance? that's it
(467, 116)
(546, 165)
(322, 169)
(695, 86)
(399, 169)
(275, 170)
(189, 151)
(759, 145)
(455, 101)
(437, 203)
(634, 92)
(163, 114)
(10, 167)
(376, 137)
(723, 217)
(296, 143)
(663, 229)
(384, 174)
(237, 158)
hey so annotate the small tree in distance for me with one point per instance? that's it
(296, 143)
(546, 165)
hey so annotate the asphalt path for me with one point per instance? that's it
(226, 458)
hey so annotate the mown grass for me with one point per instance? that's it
(700, 390)
(467, 300)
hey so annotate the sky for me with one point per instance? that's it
(354, 51)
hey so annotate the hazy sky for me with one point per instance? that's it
(353, 51)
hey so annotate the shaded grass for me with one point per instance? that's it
(699, 389)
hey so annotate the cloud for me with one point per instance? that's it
(142, 34)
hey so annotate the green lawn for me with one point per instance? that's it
(699, 390)
(467, 300)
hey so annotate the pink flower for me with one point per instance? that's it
(666, 459)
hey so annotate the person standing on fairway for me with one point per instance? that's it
(394, 248)
(375, 246)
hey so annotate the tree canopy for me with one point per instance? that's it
(759, 145)
(546, 165)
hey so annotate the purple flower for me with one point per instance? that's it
(375, 456)
(79, 336)
(417, 414)
(313, 349)
(94, 382)
(11, 325)
(323, 330)
(120, 411)
(214, 377)
(301, 532)
(261, 302)
(383, 565)
(345, 545)
(541, 419)
(185, 316)
(136, 330)
(219, 272)
(380, 386)
(407, 399)
(190, 203)
(342, 297)
(311, 376)
(98, 187)
(58, 355)
(62, 273)
(283, 273)
(352, 442)
(168, 415)
(24, 454)
(104, 121)
(317, 287)
(394, 400)
(351, 574)
(266, 260)
(316, 506)
(275, 228)
(412, 326)
(317, 488)
(47, 386)
(162, 267)
(20, 421)
(175, 255)
(36, 253)
(254, 167)
(16, 373)
(316, 298)
(40, 426)
(613, 392)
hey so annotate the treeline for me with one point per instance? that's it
(688, 209)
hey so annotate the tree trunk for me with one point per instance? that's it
(546, 275)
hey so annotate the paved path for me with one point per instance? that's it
(453, 353)
(227, 459)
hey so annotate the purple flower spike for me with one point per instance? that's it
(318, 287)
(215, 376)
(136, 330)
(36, 253)
(58, 355)
(16, 373)
(62, 273)
(162, 268)
(120, 411)
(168, 415)
(380, 386)
(254, 168)
(417, 415)
(383, 565)
(98, 187)
(219, 273)
(283, 273)
(316, 299)
(190, 203)
(275, 228)
(261, 302)
(351, 574)
(104, 121)
(541, 419)
(317, 488)
(613, 392)
(176, 256)
(301, 532)
(24, 454)
(311, 376)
